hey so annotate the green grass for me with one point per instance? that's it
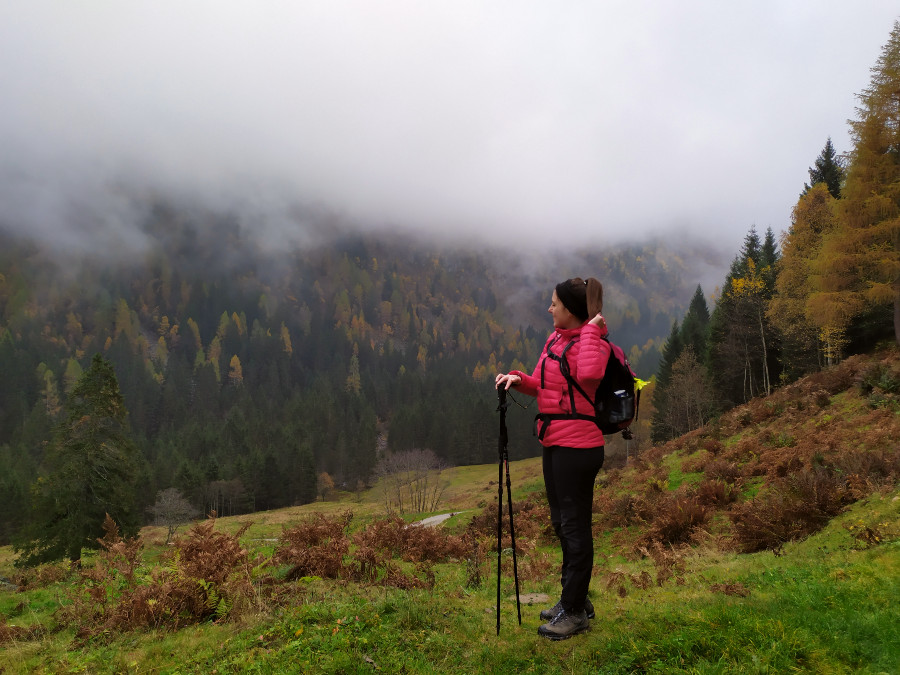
(826, 605)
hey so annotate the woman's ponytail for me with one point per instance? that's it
(594, 296)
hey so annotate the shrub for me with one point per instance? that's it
(204, 577)
(531, 518)
(41, 576)
(413, 543)
(715, 492)
(209, 555)
(713, 446)
(696, 463)
(621, 511)
(315, 548)
(676, 521)
(723, 470)
(744, 451)
(879, 377)
(735, 588)
(15, 633)
(835, 379)
(792, 508)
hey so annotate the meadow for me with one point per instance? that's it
(766, 542)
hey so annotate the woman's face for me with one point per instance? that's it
(562, 318)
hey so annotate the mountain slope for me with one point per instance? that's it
(823, 602)
(249, 370)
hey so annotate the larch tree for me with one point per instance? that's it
(804, 334)
(860, 262)
(90, 472)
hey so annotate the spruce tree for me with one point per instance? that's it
(695, 327)
(828, 170)
(90, 472)
(670, 353)
(738, 358)
(672, 349)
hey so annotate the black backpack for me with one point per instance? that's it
(617, 398)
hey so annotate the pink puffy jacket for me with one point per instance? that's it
(587, 359)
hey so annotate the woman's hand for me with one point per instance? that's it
(510, 379)
(598, 320)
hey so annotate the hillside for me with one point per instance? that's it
(250, 369)
(768, 541)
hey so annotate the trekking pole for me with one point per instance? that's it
(504, 462)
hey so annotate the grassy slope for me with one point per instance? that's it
(824, 604)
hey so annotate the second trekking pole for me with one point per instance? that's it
(504, 464)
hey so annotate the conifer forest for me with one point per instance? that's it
(247, 374)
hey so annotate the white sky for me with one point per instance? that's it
(527, 121)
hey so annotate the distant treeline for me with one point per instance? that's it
(247, 374)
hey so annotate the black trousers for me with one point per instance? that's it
(569, 475)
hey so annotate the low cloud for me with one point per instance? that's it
(518, 123)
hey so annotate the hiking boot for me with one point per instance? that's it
(564, 625)
(549, 614)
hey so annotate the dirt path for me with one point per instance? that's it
(435, 520)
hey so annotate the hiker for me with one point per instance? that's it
(573, 447)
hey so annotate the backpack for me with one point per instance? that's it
(617, 396)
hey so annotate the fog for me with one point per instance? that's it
(526, 124)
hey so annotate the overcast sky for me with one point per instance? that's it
(526, 121)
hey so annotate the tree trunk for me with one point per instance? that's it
(897, 313)
(75, 556)
(767, 385)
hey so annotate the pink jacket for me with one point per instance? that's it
(587, 359)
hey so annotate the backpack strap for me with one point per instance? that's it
(546, 418)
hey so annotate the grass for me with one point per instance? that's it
(824, 604)
(827, 604)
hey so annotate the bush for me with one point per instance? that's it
(621, 511)
(723, 470)
(531, 518)
(315, 548)
(412, 543)
(676, 521)
(715, 492)
(668, 562)
(16, 633)
(879, 377)
(792, 508)
(41, 576)
(204, 577)
(713, 446)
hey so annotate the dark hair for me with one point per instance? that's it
(583, 298)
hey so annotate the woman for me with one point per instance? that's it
(573, 445)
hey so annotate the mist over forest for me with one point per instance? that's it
(250, 366)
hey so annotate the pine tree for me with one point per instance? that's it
(828, 170)
(90, 472)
